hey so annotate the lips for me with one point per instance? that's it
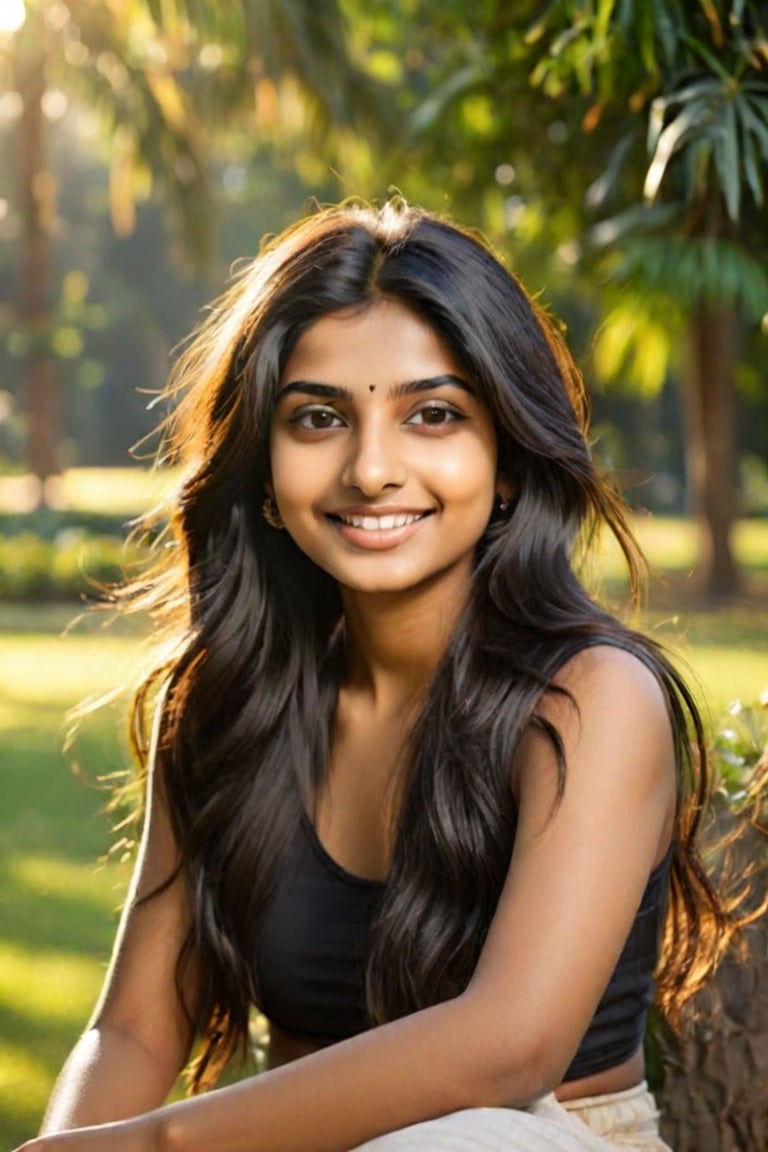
(377, 531)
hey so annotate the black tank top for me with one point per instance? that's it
(313, 948)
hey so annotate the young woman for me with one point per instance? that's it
(410, 790)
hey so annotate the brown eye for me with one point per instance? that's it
(316, 419)
(435, 416)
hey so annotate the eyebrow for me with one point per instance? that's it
(333, 392)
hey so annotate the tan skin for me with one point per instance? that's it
(577, 873)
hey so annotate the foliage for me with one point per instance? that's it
(740, 741)
(635, 135)
(702, 65)
(48, 523)
(109, 56)
(689, 226)
(70, 564)
(162, 77)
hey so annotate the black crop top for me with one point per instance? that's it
(313, 945)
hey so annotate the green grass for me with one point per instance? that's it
(670, 546)
(724, 654)
(59, 900)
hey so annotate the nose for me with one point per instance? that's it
(375, 460)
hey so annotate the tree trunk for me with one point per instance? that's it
(710, 417)
(36, 196)
(714, 1096)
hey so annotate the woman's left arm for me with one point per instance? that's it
(576, 879)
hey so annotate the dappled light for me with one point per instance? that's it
(12, 15)
(148, 151)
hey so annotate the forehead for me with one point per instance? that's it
(384, 344)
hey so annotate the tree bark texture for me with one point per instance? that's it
(709, 397)
(37, 204)
(715, 1090)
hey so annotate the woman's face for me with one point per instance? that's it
(383, 456)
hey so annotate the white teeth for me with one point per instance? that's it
(381, 523)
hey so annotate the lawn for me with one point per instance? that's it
(59, 899)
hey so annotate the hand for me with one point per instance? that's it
(135, 1135)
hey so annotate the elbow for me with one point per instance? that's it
(511, 1067)
(517, 1080)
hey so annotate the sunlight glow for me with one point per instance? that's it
(12, 15)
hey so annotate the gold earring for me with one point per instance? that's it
(269, 511)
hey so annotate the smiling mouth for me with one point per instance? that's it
(379, 523)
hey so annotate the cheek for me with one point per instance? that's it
(469, 475)
(290, 475)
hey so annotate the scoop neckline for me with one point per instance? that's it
(365, 881)
(333, 865)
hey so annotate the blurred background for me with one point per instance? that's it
(617, 157)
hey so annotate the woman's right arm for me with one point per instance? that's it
(139, 1038)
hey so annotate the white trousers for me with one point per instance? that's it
(619, 1120)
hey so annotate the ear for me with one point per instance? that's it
(505, 489)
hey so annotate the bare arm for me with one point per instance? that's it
(138, 1039)
(575, 882)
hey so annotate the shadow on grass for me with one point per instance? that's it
(49, 1039)
(82, 923)
(52, 801)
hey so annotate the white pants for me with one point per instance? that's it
(619, 1120)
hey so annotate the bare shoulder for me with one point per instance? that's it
(613, 723)
(595, 792)
(602, 678)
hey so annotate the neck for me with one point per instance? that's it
(396, 640)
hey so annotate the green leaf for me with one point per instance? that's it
(536, 30)
(603, 18)
(599, 190)
(755, 125)
(565, 39)
(431, 109)
(633, 348)
(689, 270)
(667, 30)
(656, 122)
(693, 116)
(708, 87)
(708, 57)
(637, 219)
(661, 104)
(760, 108)
(726, 157)
(697, 158)
(751, 170)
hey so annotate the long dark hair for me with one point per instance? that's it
(246, 698)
